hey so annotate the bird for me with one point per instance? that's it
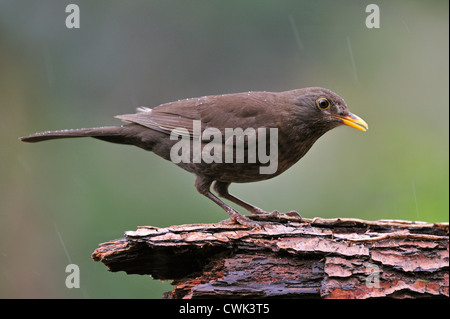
(289, 121)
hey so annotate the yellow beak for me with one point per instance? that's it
(353, 121)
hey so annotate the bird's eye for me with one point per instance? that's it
(323, 103)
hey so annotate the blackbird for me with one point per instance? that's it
(289, 121)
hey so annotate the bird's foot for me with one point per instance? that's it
(262, 218)
(291, 216)
(294, 214)
(242, 220)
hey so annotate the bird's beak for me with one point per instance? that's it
(353, 121)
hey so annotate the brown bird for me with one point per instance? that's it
(230, 138)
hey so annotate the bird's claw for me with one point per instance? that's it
(256, 220)
(244, 221)
(291, 216)
(294, 214)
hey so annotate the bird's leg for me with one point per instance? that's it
(203, 185)
(222, 190)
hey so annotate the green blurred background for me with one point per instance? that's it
(59, 200)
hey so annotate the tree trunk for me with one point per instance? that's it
(314, 258)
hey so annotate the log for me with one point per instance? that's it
(289, 258)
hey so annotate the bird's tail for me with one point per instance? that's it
(109, 133)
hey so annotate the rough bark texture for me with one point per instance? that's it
(318, 258)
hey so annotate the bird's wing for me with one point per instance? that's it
(241, 110)
(159, 121)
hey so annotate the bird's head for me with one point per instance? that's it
(323, 109)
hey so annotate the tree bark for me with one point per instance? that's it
(312, 258)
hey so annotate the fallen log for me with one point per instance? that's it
(311, 258)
